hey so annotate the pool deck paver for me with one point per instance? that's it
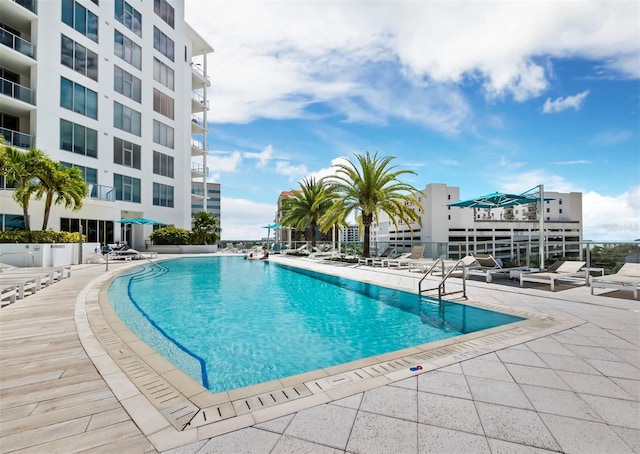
(572, 391)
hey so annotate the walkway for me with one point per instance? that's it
(573, 391)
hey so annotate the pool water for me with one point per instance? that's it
(230, 323)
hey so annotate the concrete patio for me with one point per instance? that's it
(573, 391)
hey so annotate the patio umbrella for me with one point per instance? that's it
(139, 221)
(503, 200)
(269, 227)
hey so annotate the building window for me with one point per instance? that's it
(162, 195)
(127, 119)
(80, 19)
(127, 50)
(78, 139)
(127, 84)
(162, 134)
(162, 164)
(560, 210)
(126, 153)
(97, 231)
(9, 222)
(78, 98)
(79, 58)
(163, 43)
(559, 201)
(164, 10)
(163, 104)
(129, 17)
(163, 74)
(127, 188)
(89, 175)
(548, 210)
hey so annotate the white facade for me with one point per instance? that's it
(349, 234)
(481, 230)
(117, 88)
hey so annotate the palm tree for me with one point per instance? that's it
(205, 227)
(22, 168)
(305, 207)
(65, 183)
(369, 189)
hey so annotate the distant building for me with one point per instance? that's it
(117, 89)
(466, 230)
(350, 234)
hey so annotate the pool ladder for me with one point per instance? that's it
(445, 275)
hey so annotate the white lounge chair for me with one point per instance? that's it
(489, 267)
(372, 260)
(626, 278)
(565, 271)
(414, 256)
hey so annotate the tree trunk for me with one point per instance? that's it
(25, 214)
(313, 234)
(366, 222)
(47, 210)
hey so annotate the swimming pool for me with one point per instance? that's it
(230, 323)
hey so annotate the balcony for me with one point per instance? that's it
(198, 102)
(101, 192)
(197, 169)
(197, 124)
(197, 148)
(197, 191)
(17, 139)
(199, 72)
(31, 5)
(17, 91)
(18, 44)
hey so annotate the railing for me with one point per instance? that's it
(197, 191)
(200, 72)
(197, 120)
(197, 144)
(31, 5)
(200, 99)
(445, 275)
(33, 257)
(101, 192)
(197, 167)
(17, 139)
(17, 91)
(18, 44)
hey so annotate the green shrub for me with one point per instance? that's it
(39, 236)
(170, 235)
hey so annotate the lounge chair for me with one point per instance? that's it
(564, 271)
(370, 260)
(414, 256)
(301, 250)
(489, 266)
(8, 294)
(626, 278)
(319, 253)
(21, 284)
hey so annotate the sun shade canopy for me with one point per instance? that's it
(140, 221)
(497, 200)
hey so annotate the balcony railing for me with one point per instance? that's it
(17, 139)
(197, 191)
(17, 91)
(197, 120)
(31, 5)
(18, 44)
(197, 144)
(197, 167)
(101, 192)
(200, 99)
(199, 70)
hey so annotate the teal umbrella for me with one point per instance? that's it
(272, 226)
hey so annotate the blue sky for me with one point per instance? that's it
(487, 96)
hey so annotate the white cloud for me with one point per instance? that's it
(612, 217)
(224, 163)
(571, 163)
(608, 138)
(275, 59)
(560, 104)
(295, 173)
(243, 219)
(263, 157)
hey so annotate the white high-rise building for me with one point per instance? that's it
(116, 88)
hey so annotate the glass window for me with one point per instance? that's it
(78, 98)
(80, 18)
(165, 11)
(163, 44)
(162, 195)
(129, 16)
(163, 74)
(126, 153)
(162, 164)
(162, 134)
(78, 139)
(127, 50)
(127, 119)
(127, 188)
(79, 58)
(163, 104)
(127, 84)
